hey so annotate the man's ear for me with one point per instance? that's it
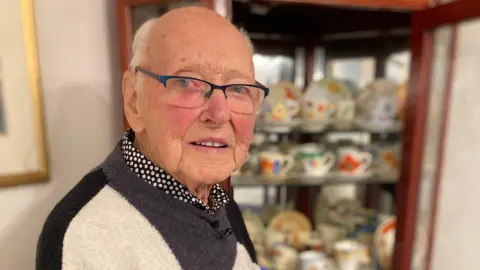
(130, 101)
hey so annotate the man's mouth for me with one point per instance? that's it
(210, 144)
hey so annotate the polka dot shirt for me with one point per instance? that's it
(160, 179)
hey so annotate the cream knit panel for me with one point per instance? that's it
(243, 261)
(110, 234)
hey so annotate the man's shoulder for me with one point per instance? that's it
(52, 236)
(77, 197)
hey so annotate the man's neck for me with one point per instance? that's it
(202, 192)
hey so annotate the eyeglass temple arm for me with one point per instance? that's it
(148, 73)
(267, 90)
(259, 84)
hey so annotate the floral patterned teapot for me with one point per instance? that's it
(281, 106)
(378, 105)
(327, 101)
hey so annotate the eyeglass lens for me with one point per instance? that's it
(192, 93)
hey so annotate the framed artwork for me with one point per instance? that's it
(2, 112)
(23, 157)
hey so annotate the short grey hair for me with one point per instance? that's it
(139, 49)
(247, 38)
(139, 46)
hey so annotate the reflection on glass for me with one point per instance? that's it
(441, 60)
(271, 69)
(319, 63)
(141, 14)
(300, 67)
(397, 67)
(456, 230)
(359, 71)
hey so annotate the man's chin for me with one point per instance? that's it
(213, 178)
(200, 170)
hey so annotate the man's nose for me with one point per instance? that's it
(216, 108)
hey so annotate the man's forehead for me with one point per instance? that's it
(186, 36)
(223, 56)
(221, 67)
(184, 21)
(179, 42)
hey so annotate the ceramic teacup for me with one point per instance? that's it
(388, 160)
(317, 114)
(315, 160)
(353, 161)
(280, 110)
(284, 257)
(279, 114)
(275, 163)
(312, 260)
(384, 241)
(351, 255)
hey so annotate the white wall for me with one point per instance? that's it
(82, 97)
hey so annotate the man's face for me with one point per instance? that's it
(220, 55)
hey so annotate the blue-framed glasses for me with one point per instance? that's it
(190, 92)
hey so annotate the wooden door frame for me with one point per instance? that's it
(423, 24)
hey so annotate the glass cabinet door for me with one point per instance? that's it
(438, 187)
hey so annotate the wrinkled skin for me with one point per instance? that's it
(194, 42)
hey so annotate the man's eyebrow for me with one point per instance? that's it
(189, 68)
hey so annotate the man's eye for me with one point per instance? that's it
(239, 89)
(191, 84)
(183, 82)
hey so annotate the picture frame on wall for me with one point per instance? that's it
(23, 153)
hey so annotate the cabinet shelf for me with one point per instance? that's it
(296, 127)
(299, 180)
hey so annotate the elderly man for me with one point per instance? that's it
(190, 97)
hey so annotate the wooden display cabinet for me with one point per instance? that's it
(420, 19)
(384, 4)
